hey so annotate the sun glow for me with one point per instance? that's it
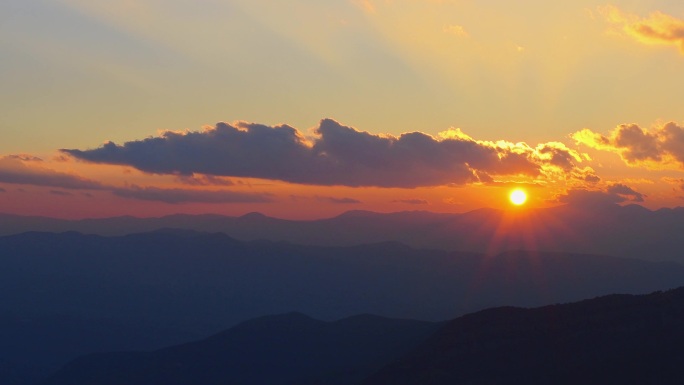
(518, 197)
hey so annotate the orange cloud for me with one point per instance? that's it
(658, 148)
(658, 28)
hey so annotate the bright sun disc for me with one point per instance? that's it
(518, 197)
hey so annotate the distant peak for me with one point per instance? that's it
(357, 213)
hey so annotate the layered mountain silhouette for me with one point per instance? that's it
(608, 229)
(617, 339)
(70, 294)
(285, 349)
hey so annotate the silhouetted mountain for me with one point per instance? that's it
(69, 294)
(617, 339)
(626, 231)
(288, 349)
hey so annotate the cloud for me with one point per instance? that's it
(334, 155)
(25, 157)
(2, 190)
(658, 28)
(13, 170)
(613, 194)
(411, 201)
(657, 148)
(204, 180)
(339, 200)
(625, 191)
(174, 196)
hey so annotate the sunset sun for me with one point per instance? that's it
(518, 197)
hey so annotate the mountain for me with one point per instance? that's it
(70, 294)
(617, 339)
(625, 231)
(284, 349)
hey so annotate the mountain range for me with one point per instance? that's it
(615, 339)
(605, 229)
(69, 294)
(287, 349)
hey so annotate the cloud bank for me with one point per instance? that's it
(13, 170)
(613, 194)
(657, 148)
(658, 28)
(335, 155)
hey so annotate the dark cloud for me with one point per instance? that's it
(13, 170)
(581, 197)
(339, 200)
(558, 155)
(616, 193)
(337, 155)
(204, 180)
(411, 201)
(2, 190)
(174, 196)
(658, 148)
(25, 157)
(625, 191)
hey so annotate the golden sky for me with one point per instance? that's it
(307, 108)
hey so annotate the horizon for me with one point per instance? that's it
(511, 209)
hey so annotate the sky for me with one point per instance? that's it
(306, 108)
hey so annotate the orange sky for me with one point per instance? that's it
(110, 108)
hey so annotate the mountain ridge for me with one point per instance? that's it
(626, 231)
(296, 349)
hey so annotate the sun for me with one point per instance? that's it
(518, 197)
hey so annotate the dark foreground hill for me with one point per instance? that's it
(65, 295)
(606, 229)
(617, 339)
(289, 349)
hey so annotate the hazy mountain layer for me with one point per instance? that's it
(287, 349)
(616, 339)
(69, 294)
(629, 231)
